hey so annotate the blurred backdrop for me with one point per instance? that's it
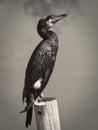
(74, 80)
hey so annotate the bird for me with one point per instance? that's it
(41, 64)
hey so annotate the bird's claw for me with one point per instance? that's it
(23, 110)
(27, 108)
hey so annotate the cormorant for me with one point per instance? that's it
(41, 63)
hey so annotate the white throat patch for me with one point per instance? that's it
(49, 23)
(37, 84)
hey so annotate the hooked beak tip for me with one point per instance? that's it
(59, 17)
(62, 16)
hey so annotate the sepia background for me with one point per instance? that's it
(74, 80)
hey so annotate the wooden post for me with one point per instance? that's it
(46, 113)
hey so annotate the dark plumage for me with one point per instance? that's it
(41, 63)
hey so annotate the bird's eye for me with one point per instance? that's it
(49, 17)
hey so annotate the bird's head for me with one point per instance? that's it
(49, 21)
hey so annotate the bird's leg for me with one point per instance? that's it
(42, 97)
(30, 103)
(31, 100)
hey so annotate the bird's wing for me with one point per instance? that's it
(39, 67)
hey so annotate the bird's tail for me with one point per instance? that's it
(29, 110)
(29, 116)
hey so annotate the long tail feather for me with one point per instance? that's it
(28, 109)
(29, 117)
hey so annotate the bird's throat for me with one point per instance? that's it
(43, 33)
(48, 34)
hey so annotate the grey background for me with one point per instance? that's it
(74, 80)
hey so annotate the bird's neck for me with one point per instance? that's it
(47, 34)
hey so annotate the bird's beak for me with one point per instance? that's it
(59, 17)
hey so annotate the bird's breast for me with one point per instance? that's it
(49, 47)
